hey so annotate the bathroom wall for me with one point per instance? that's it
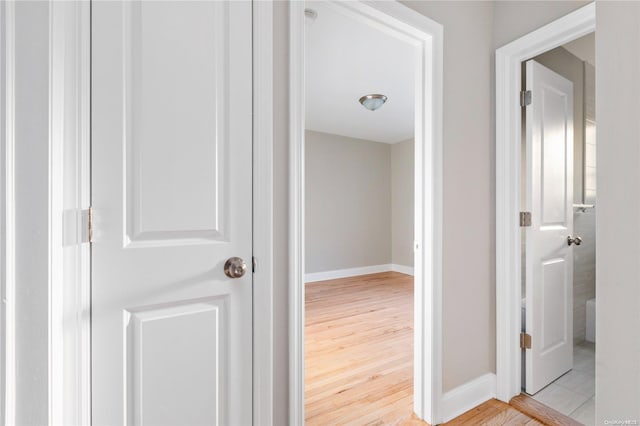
(584, 223)
(590, 133)
(584, 270)
(402, 212)
(584, 274)
(348, 199)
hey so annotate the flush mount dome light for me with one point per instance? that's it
(311, 14)
(373, 102)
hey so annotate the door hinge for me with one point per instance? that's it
(525, 98)
(87, 225)
(254, 264)
(525, 341)
(525, 218)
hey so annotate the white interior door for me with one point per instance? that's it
(171, 192)
(549, 197)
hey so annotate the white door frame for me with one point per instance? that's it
(69, 259)
(69, 196)
(427, 36)
(263, 332)
(508, 180)
(7, 221)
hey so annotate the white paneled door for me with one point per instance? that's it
(171, 193)
(549, 197)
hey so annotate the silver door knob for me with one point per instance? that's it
(235, 267)
(574, 240)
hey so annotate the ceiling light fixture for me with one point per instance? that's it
(373, 102)
(311, 14)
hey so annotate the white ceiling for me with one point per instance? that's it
(584, 48)
(346, 59)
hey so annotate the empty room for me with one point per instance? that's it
(359, 220)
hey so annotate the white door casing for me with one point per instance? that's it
(509, 60)
(172, 200)
(549, 198)
(427, 35)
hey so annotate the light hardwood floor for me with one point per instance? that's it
(494, 413)
(359, 350)
(359, 356)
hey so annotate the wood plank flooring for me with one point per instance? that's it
(494, 413)
(359, 350)
(359, 356)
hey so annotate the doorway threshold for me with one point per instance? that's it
(541, 412)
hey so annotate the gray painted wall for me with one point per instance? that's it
(359, 202)
(468, 305)
(618, 203)
(517, 18)
(402, 205)
(348, 202)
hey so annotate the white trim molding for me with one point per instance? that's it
(427, 37)
(508, 180)
(263, 213)
(403, 269)
(296, 212)
(69, 195)
(467, 396)
(345, 273)
(354, 272)
(7, 216)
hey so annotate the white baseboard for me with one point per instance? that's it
(344, 273)
(465, 397)
(354, 272)
(402, 269)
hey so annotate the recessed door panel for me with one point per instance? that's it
(165, 387)
(554, 156)
(176, 107)
(554, 302)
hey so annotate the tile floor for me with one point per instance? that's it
(573, 394)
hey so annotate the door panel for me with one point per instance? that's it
(554, 157)
(554, 302)
(171, 193)
(159, 372)
(178, 115)
(549, 197)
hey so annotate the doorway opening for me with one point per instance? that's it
(423, 38)
(558, 243)
(359, 220)
(545, 103)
